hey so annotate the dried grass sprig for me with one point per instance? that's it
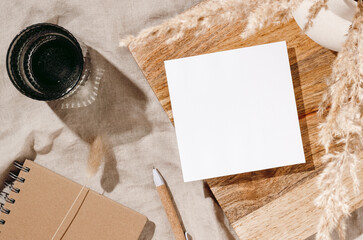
(314, 11)
(259, 14)
(214, 12)
(95, 157)
(94, 161)
(343, 125)
(272, 12)
(269, 12)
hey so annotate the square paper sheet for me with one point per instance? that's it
(234, 111)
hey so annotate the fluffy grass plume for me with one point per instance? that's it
(200, 19)
(343, 125)
(314, 11)
(259, 14)
(269, 12)
(95, 157)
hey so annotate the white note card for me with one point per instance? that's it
(234, 111)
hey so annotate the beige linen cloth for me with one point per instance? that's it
(126, 113)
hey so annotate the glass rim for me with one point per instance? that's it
(17, 80)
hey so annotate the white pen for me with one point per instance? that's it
(169, 207)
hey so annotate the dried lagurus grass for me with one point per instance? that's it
(267, 13)
(272, 12)
(95, 157)
(200, 19)
(314, 11)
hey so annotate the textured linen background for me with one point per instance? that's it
(126, 113)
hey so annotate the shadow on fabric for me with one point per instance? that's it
(117, 115)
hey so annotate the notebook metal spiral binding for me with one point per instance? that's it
(11, 187)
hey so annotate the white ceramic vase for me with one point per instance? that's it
(331, 25)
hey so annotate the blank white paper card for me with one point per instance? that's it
(234, 111)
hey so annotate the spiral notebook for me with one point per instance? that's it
(38, 200)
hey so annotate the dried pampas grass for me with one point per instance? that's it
(200, 19)
(95, 157)
(269, 12)
(343, 122)
(93, 164)
(314, 11)
(272, 12)
(259, 14)
(343, 125)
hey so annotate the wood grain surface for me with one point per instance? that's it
(275, 203)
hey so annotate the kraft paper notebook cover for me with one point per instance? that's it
(44, 200)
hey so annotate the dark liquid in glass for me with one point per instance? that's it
(45, 62)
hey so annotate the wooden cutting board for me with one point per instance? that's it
(275, 203)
